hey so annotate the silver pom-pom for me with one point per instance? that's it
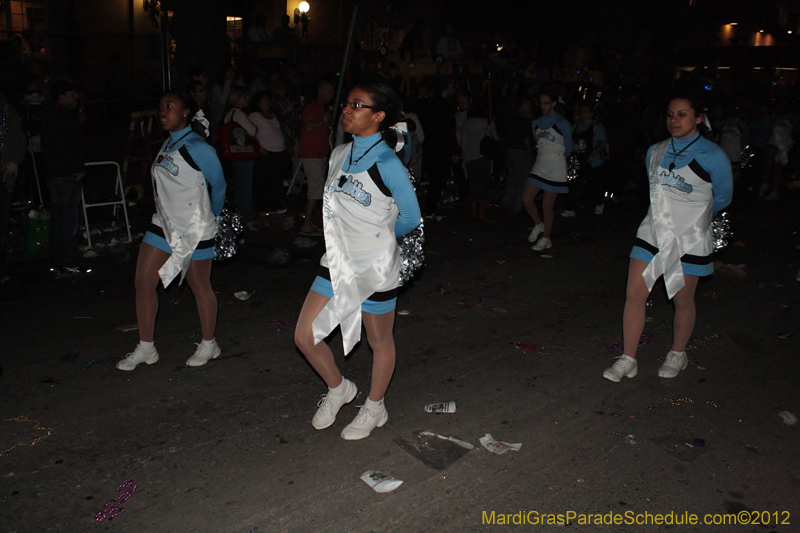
(412, 256)
(746, 157)
(721, 230)
(573, 167)
(229, 225)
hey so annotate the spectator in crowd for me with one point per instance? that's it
(258, 32)
(220, 93)
(284, 35)
(588, 144)
(63, 160)
(517, 136)
(317, 121)
(448, 47)
(437, 116)
(477, 167)
(13, 145)
(273, 165)
(242, 169)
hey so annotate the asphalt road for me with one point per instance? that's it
(229, 447)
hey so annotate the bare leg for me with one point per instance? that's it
(319, 355)
(635, 302)
(548, 201)
(199, 279)
(150, 260)
(685, 314)
(528, 201)
(379, 335)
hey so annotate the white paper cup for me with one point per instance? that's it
(444, 407)
(380, 482)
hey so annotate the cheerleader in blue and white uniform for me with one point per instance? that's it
(553, 135)
(180, 240)
(368, 202)
(690, 180)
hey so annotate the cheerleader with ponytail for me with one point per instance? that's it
(180, 239)
(369, 201)
(690, 180)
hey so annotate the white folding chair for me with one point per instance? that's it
(118, 191)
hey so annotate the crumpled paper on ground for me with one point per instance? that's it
(497, 446)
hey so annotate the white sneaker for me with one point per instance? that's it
(625, 366)
(135, 358)
(330, 404)
(205, 352)
(537, 230)
(366, 420)
(567, 213)
(673, 364)
(598, 209)
(543, 244)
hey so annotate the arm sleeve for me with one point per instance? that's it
(240, 118)
(395, 177)
(647, 161)
(719, 168)
(206, 158)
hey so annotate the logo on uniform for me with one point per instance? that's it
(670, 179)
(165, 161)
(352, 188)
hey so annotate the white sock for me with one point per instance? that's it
(208, 343)
(628, 356)
(374, 406)
(338, 391)
(148, 347)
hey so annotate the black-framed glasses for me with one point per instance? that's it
(356, 105)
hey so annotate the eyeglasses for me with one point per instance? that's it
(356, 105)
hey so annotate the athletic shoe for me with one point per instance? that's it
(366, 420)
(625, 366)
(206, 351)
(673, 364)
(543, 244)
(330, 404)
(537, 230)
(598, 209)
(137, 357)
(567, 213)
(771, 196)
